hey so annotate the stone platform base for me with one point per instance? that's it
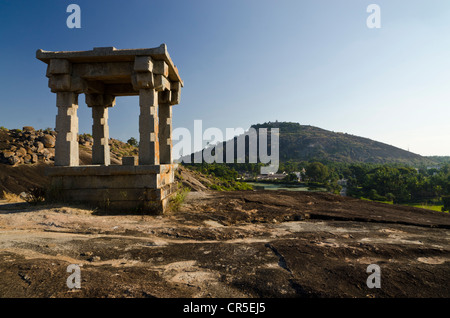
(124, 189)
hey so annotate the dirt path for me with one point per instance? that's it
(227, 244)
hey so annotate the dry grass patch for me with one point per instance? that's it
(11, 197)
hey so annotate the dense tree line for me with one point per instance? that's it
(379, 182)
(387, 182)
(396, 183)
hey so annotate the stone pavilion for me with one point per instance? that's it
(102, 74)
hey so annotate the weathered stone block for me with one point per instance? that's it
(116, 187)
(164, 97)
(161, 68)
(175, 86)
(145, 80)
(175, 89)
(130, 161)
(59, 66)
(110, 182)
(160, 82)
(78, 85)
(104, 70)
(175, 97)
(59, 83)
(94, 87)
(100, 100)
(148, 97)
(143, 64)
(111, 170)
(66, 99)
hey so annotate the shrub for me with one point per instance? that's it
(373, 195)
(390, 197)
(177, 200)
(446, 201)
(36, 195)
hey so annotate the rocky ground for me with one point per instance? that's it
(24, 154)
(227, 244)
(26, 145)
(31, 146)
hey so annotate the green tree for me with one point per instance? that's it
(133, 142)
(291, 177)
(390, 197)
(317, 172)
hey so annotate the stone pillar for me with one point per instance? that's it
(66, 148)
(100, 134)
(100, 129)
(165, 127)
(148, 127)
(150, 77)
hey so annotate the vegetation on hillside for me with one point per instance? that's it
(398, 184)
(390, 183)
(223, 177)
(305, 143)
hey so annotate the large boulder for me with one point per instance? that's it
(27, 159)
(14, 160)
(21, 152)
(48, 141)
(30, 149)
(28, 129)
(39, 146)
(49, 153)
(7, 154)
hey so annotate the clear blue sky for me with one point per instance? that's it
(246, 61)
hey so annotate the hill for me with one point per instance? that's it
(305, 143)
(440, 159)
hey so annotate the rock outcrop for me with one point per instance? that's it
(30, 146)
(26, 146)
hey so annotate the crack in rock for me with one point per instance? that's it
(281, 260)
(300, 290)
(25, 278)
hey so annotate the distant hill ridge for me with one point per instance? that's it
(305, 143)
